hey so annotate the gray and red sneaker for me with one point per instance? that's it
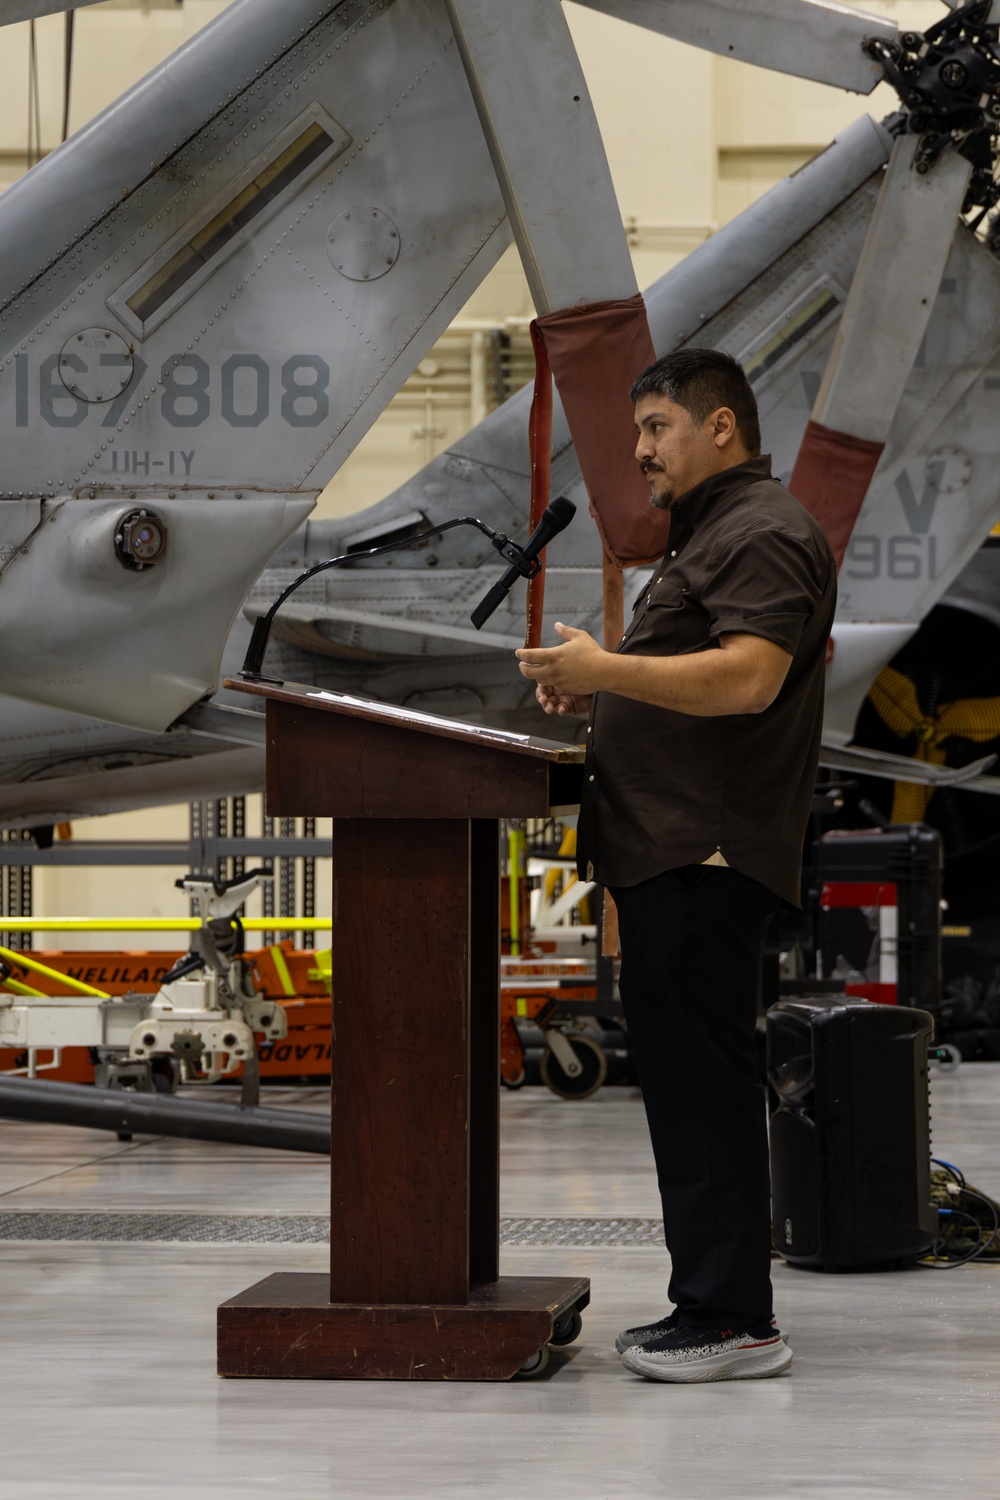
(686, 1355)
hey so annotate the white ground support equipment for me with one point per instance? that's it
(202, 1020)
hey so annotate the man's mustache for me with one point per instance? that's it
(648, 467)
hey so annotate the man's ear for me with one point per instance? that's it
(725, 426)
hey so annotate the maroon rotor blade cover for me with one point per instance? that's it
(831, 477)
(595, 351)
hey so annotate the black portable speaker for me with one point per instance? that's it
(850, 1139)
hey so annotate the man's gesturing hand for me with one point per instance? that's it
(741, 674)
(566, 675)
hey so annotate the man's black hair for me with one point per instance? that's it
(702, 380)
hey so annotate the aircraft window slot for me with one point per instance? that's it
(217, 233)
(812, 311)
(150, 295)
(399, 530)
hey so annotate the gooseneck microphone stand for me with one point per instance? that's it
(524, 563)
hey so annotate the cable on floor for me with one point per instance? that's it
(960, 1206)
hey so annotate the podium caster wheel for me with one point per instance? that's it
(593, 1068)
(534, 1366)
(515, 1083)
(566, 1328)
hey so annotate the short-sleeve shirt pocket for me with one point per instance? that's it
(674, 619)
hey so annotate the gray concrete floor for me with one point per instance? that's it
(109, 1390)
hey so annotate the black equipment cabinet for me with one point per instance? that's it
(850, 1140)
(910, 858)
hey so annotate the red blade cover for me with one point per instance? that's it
(831, 477)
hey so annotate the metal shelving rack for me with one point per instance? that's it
(218, 844)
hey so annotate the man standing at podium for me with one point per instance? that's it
(702, 749)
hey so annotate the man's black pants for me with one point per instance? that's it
(690, 973)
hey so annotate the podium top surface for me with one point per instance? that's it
(349, 705)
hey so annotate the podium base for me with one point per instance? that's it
(285, 1327)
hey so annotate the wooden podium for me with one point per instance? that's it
(414, 1291)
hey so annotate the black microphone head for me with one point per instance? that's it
(561, 511)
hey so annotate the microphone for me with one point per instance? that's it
(525, 564)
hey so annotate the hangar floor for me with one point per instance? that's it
(109, 1391)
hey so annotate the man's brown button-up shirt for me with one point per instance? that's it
(663, 789)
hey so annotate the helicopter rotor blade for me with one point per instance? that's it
(816, 39)
(529, 87)
(882, 327)
(28, 10)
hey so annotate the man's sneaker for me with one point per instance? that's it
(629, 1337)
(686, 1355)
(650, 1331)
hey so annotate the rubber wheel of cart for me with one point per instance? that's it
(534, 1366)
(588, 1080)
(567, 1327)
(166, 1075)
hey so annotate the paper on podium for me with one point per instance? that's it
(410, 715)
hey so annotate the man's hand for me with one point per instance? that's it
(566, 675)
(555, 702)
(742, 676)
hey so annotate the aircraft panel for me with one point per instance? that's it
(225, 335)
(258, 326)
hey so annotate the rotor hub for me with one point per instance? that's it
(948, 81)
